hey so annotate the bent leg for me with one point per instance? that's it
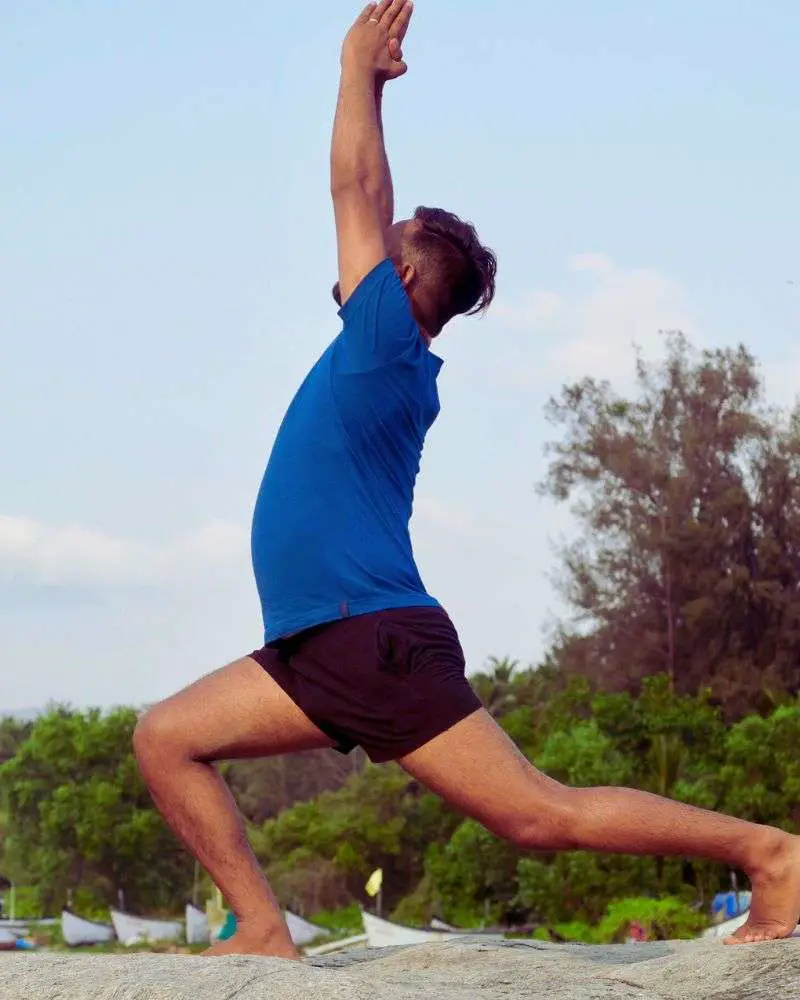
(236, 712)
(478, 769)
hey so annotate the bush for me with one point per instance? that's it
(666, 919)
(346, 920)
(662, 919)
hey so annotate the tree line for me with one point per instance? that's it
(676, 670)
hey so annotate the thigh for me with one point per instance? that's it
(238, 711)
(476, 768)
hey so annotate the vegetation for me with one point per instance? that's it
(677, 671)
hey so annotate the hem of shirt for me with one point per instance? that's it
(331, 613)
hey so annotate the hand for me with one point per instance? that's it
(375, 42)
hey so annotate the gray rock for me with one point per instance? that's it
(455, 970)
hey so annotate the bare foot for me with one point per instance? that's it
(247, 941)
(775, 909)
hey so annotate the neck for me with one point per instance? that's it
(422, 316)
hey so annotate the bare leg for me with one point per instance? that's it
(236, 712)
(476, 768)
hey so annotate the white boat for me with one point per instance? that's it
(335, 946)
(440, 925)
(197, 928)
(302, 931)
(142, 930)
(8, 940)
(23, 927)
(729, 926)
(726, 927)
(78, 931)
(383, 934)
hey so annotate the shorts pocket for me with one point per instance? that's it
(394, 648)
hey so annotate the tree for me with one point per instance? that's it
(13, 734)
(264, 788)
(79, 816)
(494, 686)
(761, 773)
(688, 496)
(380, 818)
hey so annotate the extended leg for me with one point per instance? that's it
(236, 712)
(476, 768)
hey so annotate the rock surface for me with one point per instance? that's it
(458, 970)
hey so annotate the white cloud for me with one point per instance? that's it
(535, 310)
(600, 263)
(593, 329)
(78, 555)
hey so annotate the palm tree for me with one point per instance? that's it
(494, 685)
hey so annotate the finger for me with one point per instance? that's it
(400, 27)
(395, 49)
(366, 13)
(381, 10)
(392, 12)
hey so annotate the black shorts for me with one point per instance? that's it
(389, 682)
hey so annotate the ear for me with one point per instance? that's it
(408, 275)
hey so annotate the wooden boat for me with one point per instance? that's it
(140, 930)
(78, 931)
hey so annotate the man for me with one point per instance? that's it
(357, 652)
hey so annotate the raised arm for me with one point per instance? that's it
(361, 183)
(387, 188)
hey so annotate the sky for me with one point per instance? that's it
(167, 254)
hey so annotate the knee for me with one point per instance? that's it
(156, 736)
(548, 824)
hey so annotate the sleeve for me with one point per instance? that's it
(379, 324)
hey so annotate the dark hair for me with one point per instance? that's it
(461, 268)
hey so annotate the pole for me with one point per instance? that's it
(195, 886)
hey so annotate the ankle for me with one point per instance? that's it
(770, 852)
(266, 926)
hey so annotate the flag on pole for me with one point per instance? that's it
(375, 883)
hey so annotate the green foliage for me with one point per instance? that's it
(584, 756)
(79, 815)
(264, 788)
(26, 903)
(661, 741)
(13, 734)
(345, 921)
(666, 919)
(474, 875)
(419, 907)
(761, 773)
(380, 818)
(580, 886)
(575, 930)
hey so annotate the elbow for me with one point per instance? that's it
(360, 184)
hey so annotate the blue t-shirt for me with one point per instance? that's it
(331, 525)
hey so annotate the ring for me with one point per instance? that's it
(374, 20)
